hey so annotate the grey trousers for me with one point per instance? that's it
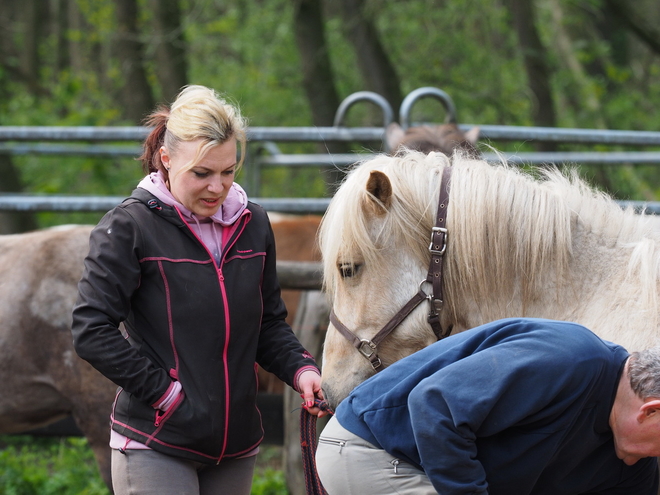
(349, 465)
(147, 472)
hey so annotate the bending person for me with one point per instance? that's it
(514, 407)
(187, 264)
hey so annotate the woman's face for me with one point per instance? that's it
(204, 187)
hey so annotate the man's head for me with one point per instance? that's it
(635, 416)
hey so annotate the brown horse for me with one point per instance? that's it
(295, 238)
(446, 138)
(43, 378)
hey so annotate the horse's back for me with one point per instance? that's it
(39, 272)
(295, 237)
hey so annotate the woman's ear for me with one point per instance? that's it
(164, 158)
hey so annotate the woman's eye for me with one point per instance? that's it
(201, 175)
(347, 270)
(228, 173)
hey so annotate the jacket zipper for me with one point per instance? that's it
(240, 227)
(221, 279)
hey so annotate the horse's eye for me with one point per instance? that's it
(347, 270)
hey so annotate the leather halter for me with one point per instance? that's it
(437, 248)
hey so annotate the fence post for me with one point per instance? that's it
(309, 326)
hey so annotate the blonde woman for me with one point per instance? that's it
(187, 263)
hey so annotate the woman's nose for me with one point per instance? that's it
(216, 184)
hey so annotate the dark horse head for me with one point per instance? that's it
(446, 138)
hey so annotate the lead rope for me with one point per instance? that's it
(308, 445)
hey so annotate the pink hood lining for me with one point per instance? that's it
(230, 210)
(208, 229)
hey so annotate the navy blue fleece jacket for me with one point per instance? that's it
(514, 407)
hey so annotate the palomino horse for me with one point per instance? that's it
(516, 246)
(43, 379)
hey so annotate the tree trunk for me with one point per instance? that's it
(624, 11)
(318, 77)
(18, 54)
(583, 92)
(171, 61)
(60, 32)
(13, 222)
(536, 66)
(34, 18)
(75, 46)
(378, 72)
(136, 94)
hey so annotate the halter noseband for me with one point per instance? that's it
(437, 248)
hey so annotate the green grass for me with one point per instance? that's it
(48, 466)
(66, 466)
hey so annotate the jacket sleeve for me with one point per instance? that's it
(111, 275)
(279, 350)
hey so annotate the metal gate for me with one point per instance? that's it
(66, 141)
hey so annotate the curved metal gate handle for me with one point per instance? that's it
(413, 96)
(350, 100)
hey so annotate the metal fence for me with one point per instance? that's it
(264, 152)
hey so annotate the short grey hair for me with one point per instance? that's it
(644, 373)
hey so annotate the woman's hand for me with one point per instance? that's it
(309, 385)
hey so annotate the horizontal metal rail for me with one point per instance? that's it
(70, 149)
(321, 134)
(53, 202)
(344, 159)
(34, 202)
(579, 157)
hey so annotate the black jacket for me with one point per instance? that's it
(186, 319)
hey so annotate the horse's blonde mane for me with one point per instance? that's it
(510, 235)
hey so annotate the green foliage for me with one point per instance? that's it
(48, 466)
(269, 482)
(452, 45)
(602, 76)
(66, 466)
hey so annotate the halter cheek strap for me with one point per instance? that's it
(437, 247)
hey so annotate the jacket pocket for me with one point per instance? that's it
(162, 416)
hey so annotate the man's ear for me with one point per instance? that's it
(649, 409)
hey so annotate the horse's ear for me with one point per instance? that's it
(472, 136)
(393, 137)
(379, 187)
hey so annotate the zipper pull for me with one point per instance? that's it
(395, 463)
(159, 416)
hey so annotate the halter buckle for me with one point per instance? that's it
(436, 305)
(443, 248)
(367, 348)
